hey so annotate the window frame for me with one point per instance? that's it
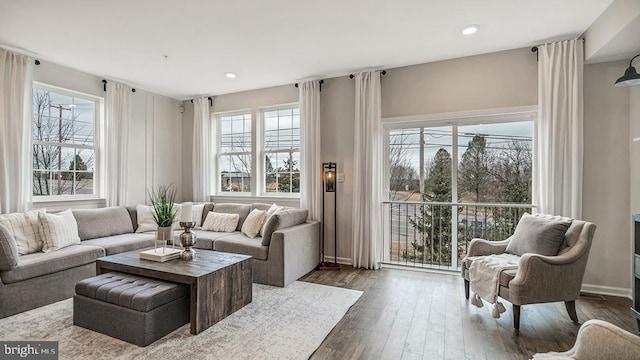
(264, 152)
(98, 103)
(217, 117)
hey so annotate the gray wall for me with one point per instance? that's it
(496, 80)
(606, 180)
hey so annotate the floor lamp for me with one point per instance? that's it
(329, 172)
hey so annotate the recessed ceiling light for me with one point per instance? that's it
(469, 30)
(230, 75)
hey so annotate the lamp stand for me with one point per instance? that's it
(329, 187)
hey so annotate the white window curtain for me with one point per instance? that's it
(559, 130)
(118, 111)
(15, 131)
(310, 164)
(202, 156)
(367, 173)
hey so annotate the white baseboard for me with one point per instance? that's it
(606, 290)
(340, 260)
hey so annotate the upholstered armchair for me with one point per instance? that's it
(597, 340)
(539, 278)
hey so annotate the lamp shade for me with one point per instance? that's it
(329, 176)
(630, 77)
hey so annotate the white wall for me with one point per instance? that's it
(155, 141)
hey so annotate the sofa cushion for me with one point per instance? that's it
(38, 264)
(231, 208)
(253, 223)
(59, 230)
(96, 223)
(282, 219)
(8, 250)
(205, 239)
(25, 230)
(538, 234)
(240, 244)
(270, 212)
(221, 222)
(123, 242)
(260, 206)
(131, 291)
(145, 219)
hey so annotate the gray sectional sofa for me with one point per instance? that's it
(289, 249)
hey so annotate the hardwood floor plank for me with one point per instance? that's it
(418, 315)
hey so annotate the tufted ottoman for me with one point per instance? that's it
(132, 308)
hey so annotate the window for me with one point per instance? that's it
(234, 159)
(64, 145)
(282, 150)
(273, 152)
(450, 183)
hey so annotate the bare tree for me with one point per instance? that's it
(402, 175)
(50, 127)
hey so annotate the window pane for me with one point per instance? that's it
(235, 173)
(495, 162)
(283, 175)
(235, 133)
(61, 121)
(281, 129)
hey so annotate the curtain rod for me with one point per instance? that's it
(383, 72)
(104, 86)
(319, 81)
(209, 98)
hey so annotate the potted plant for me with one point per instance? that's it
(162, 200)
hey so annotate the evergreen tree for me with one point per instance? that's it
(474, 175)
(433, 245)
(289, 180)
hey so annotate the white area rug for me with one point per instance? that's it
(280, 323)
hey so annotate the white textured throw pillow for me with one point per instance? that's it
(145, 219)
(221, 222)
(60, 230)
(196, 215)
(26, 230)
(253, 223)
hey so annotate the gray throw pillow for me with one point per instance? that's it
(538, 234)
(8, 250)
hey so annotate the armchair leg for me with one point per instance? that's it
(516, 318)
(571, 309)
(466, 288)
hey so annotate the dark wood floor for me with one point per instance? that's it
(416, 315)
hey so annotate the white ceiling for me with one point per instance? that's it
(273, 42)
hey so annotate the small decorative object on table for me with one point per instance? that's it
(161, 253)
(188, 237)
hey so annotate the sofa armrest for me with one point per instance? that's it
(482, 247)
(543, 278)
(598, 339)
(294, 251)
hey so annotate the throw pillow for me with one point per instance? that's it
(25, 229)
(253, 223)
(145, 219)
(196, 215)
(8, 250)
(221, 222)
(272, 211)
(538, 234)
(60, 230)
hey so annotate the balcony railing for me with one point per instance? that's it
(422, 234)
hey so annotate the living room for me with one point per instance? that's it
(470, 80)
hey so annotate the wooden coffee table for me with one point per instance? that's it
(220, 282)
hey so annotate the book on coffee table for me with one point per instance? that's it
(160, 254)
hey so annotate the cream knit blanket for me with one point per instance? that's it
(484, 277)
